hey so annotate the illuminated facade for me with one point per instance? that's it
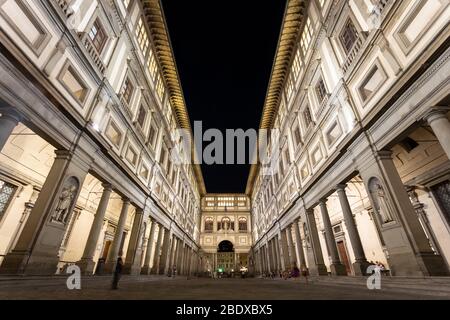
(360, 94)
(89, 104)
(225, 237)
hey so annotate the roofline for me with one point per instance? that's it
(156, 22)
(287, 43)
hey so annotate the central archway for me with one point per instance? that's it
(225, 246)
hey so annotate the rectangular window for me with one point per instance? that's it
(348, 36)
(160, 90)
(113, 133)
(152, 65)
(7, 192)
(307, 116)
(72, 82)
(297, 135)
(127, 90)
(307, 36)
(131, 155)
(98, 36)
(142, 36)
(321, 90)
(142, 116)
(145, 172)
(152, 136)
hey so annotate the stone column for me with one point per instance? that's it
(278, 257)
(114, 253)
(409, 250)
(284, 250)
(361, 264)
(134, 253)
(172, 255)
(8, 121)
(438, 121)
(183, 259)
(87, 263)
(299, 245)
(146, 269)
(157, 255)
(268, 259)
(165, 252)
(337, 268)
(290, 244)
(316, 266)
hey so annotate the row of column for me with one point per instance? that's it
(282, 253)
(32, 253)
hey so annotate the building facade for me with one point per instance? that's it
(360, 96)
(91, 164)
(225, 237)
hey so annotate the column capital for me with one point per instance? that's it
(323, 202)
(107, 186)
(384, 155)
(310, 211)
(139, 211)
(126, 200)
(341, 187)
(436, 114)
(10, 114)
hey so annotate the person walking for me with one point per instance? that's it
(117, 274)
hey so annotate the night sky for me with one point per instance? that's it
(224, 52)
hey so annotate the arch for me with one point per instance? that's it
(225, 246)
(209, 224)
(243, 226)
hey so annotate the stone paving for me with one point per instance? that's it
(180, 288)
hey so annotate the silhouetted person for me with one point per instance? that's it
(117, 274)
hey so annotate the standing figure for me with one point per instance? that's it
(117, 274)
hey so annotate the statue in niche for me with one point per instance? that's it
(383, 208)
(66, 200)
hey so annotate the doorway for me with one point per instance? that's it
(344, 256)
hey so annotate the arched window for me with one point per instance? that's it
(209, 225)
(242, 224)
(225, 224)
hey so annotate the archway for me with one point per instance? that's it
(225, 246)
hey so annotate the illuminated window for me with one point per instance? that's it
(307, 36)
(142, 36)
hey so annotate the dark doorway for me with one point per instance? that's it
(225, 246)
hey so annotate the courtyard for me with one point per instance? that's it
(181, 288)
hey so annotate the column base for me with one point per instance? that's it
(318, 270)
(109, 267)
(360, 268)
(433, 265)
(23, 263)
(338, 269)
(146, 270)
(132, 270)
(87, 266)
(14, 263)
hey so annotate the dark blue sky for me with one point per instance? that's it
(224, 52)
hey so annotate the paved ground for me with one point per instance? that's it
(221, 289)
